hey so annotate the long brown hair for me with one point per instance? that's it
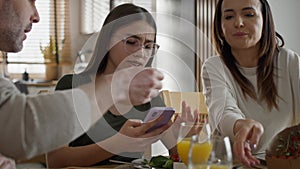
(269, 47)
(120, 16)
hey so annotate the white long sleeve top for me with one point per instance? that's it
(226, 102)
(32, 125)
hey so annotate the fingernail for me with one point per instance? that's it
(253, 146)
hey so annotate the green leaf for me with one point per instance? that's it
(168, 164)
(161, 162)
(145, 161)
(158, 161)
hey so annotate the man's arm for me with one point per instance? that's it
(32, 125)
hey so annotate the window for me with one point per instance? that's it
(31, 57)
(147, 4)
(93, 12)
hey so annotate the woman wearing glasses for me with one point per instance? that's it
(127, 39)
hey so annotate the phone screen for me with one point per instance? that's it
(156, 112)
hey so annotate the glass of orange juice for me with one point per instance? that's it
(214, 153)
(186, 131)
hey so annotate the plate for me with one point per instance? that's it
(138, 163)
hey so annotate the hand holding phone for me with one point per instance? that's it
(156, 112)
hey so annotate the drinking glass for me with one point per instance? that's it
(212, 154)
(186, 131)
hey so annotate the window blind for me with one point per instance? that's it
(93, 12)
(150, 5)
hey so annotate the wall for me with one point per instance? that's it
(286, 18)
(176, 36)
(77, 39)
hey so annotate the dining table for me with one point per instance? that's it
(110, 166)
(129, 166)
(31, 164)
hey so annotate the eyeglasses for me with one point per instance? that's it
(132, 44)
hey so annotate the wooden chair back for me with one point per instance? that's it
(195, 100)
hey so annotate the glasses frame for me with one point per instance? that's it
(140, 46)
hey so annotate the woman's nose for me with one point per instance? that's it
(141, 52)
(239, 22)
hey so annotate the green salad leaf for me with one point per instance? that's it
(161, 162)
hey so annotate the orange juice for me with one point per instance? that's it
(183, 149)
(201, 152)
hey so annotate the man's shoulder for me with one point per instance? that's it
(4, 80)
(6, 84)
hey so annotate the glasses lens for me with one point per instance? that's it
(132, 44)
(153, 47)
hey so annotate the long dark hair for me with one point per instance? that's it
(121, 15)
(269, 47)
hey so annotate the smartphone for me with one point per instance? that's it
(155, 112)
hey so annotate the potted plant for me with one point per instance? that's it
(51, 66)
